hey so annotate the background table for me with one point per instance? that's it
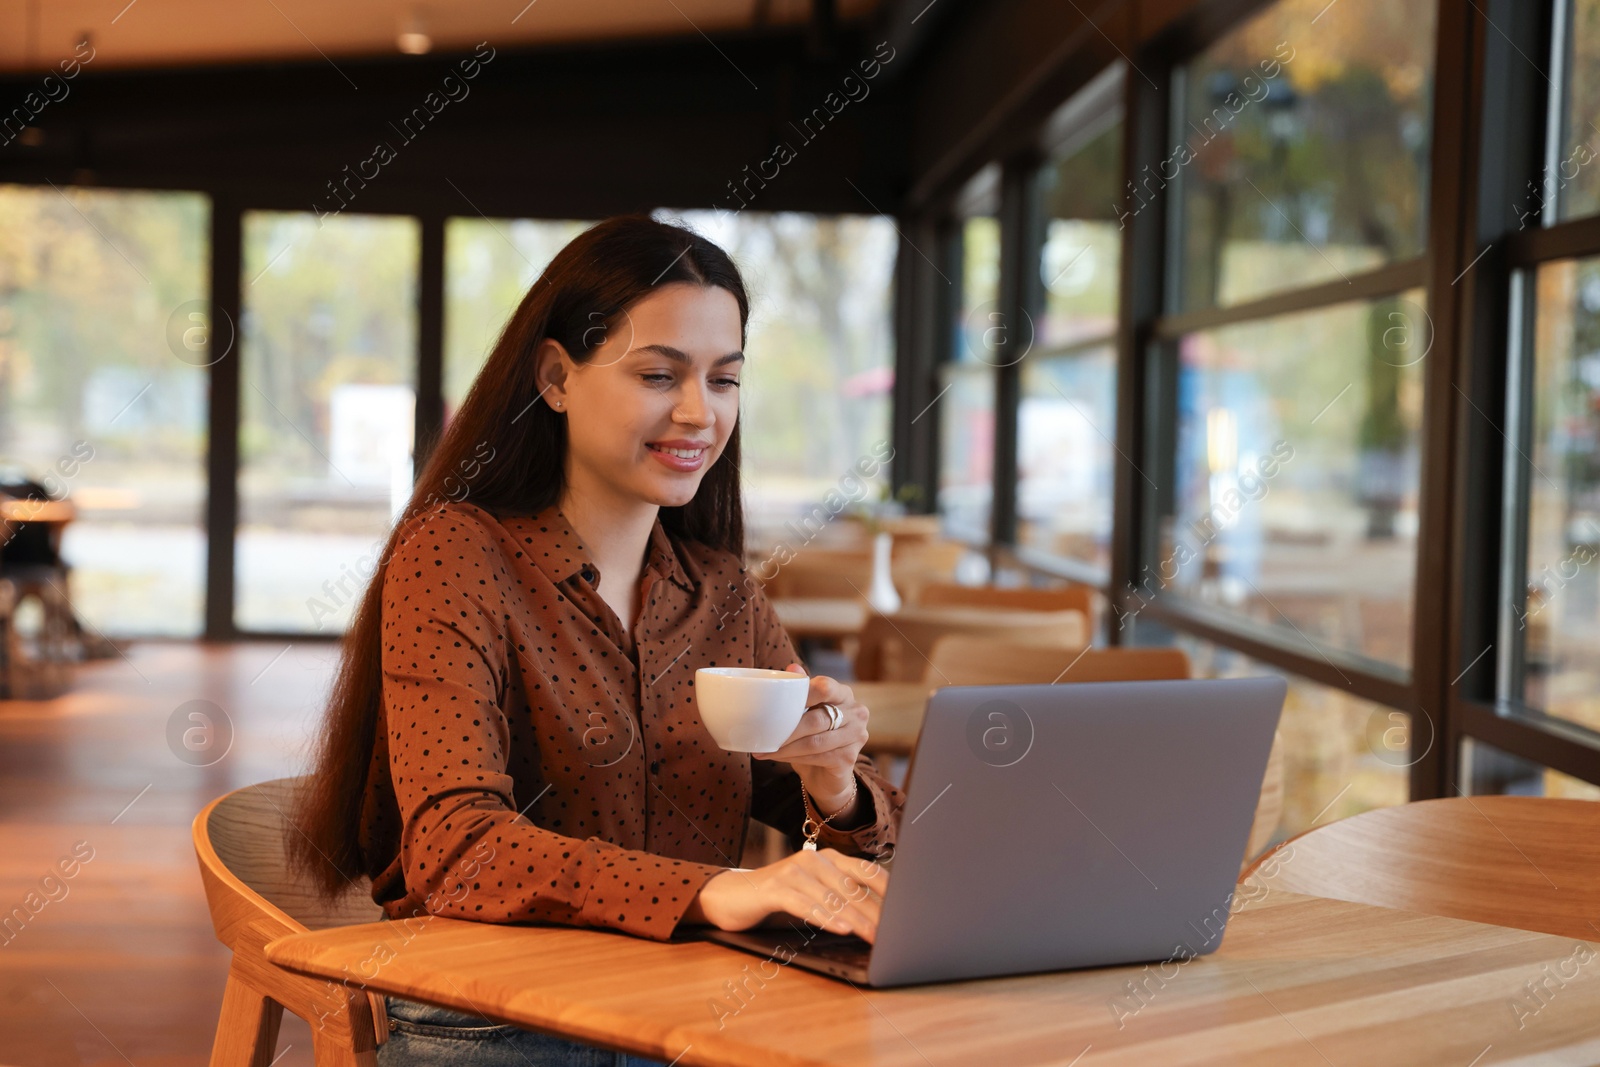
(1297, 980)
(52, 511)
(821, 618)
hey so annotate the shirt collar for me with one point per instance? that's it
(561, 553)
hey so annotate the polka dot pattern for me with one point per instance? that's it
(539, 761)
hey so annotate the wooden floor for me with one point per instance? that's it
(120, 965)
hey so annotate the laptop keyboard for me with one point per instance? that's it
(841, 948)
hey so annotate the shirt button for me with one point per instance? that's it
(654, 766)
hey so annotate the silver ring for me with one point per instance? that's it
(835, 716)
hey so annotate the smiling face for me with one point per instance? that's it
(653, 407)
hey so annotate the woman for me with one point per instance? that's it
(512, 736)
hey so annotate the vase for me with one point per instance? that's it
(882, 594)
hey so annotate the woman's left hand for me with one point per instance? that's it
(825, 759)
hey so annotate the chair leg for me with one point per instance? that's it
(330, 1052)
(247, 1032)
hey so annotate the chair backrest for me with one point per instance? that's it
(1532, 863)
(969, 659)
(823, 572)
(919, 562)
(254, 899)
(1021, 598)
(897, 648)
(239, 839)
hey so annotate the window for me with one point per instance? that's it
(1295, 499)
(980, 290)
(1301, 148)
(103, 316)
(1065, 450)
(1570, 185)
(1486, 770)
(489, 266)
(1284, 486)
(965, 404)
(1412, 537)
(1556, 611)
(1067, 417)
(814, 393)
(1545, 656)
(329, 345)
(1341, 755)
(966, 439)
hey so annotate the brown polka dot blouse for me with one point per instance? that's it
(539, 763)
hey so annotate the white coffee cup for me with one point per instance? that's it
(749, 709)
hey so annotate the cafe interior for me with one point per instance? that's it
(1094, 341)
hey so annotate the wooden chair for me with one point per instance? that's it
(914, 527)
(254, 899)
(895, 648)
(39, 664)
(964, 659)
(1021, 598)
(828, 573)
(844, 570)
(919, 563)
(1532, 863)
(968, 659)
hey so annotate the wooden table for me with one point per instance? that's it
(821, 618)
(1297, 980)
(13, 509)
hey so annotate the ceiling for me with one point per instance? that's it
(35, 35)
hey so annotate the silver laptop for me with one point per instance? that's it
(1050, 827)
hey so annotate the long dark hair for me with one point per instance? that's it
(579, 297)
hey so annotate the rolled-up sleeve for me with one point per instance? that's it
(775, 796)
(465, 850)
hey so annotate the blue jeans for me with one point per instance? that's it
(421, 1035)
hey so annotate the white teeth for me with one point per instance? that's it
(682, 453)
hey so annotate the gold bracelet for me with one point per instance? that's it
(811, 827)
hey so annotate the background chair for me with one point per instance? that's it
(830, 573)
(920, 562)
(1020, 598)
(1532, 863)
(965, 659)
(895, 648)
(254, 899)
(969, 659)
(845, 571)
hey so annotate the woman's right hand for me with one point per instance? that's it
(839, 893)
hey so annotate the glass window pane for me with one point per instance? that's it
(1066, 425)
(329, 346)
(980, 290)
(103, 310)
(1490, 771)
(1302, 150)
(1296, 475)
(1559, 619)
(489, 265)
(815, 391)
(1082, 247)
(966, 451)
(1572, 180)
(965, 407)
(1341, 755)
